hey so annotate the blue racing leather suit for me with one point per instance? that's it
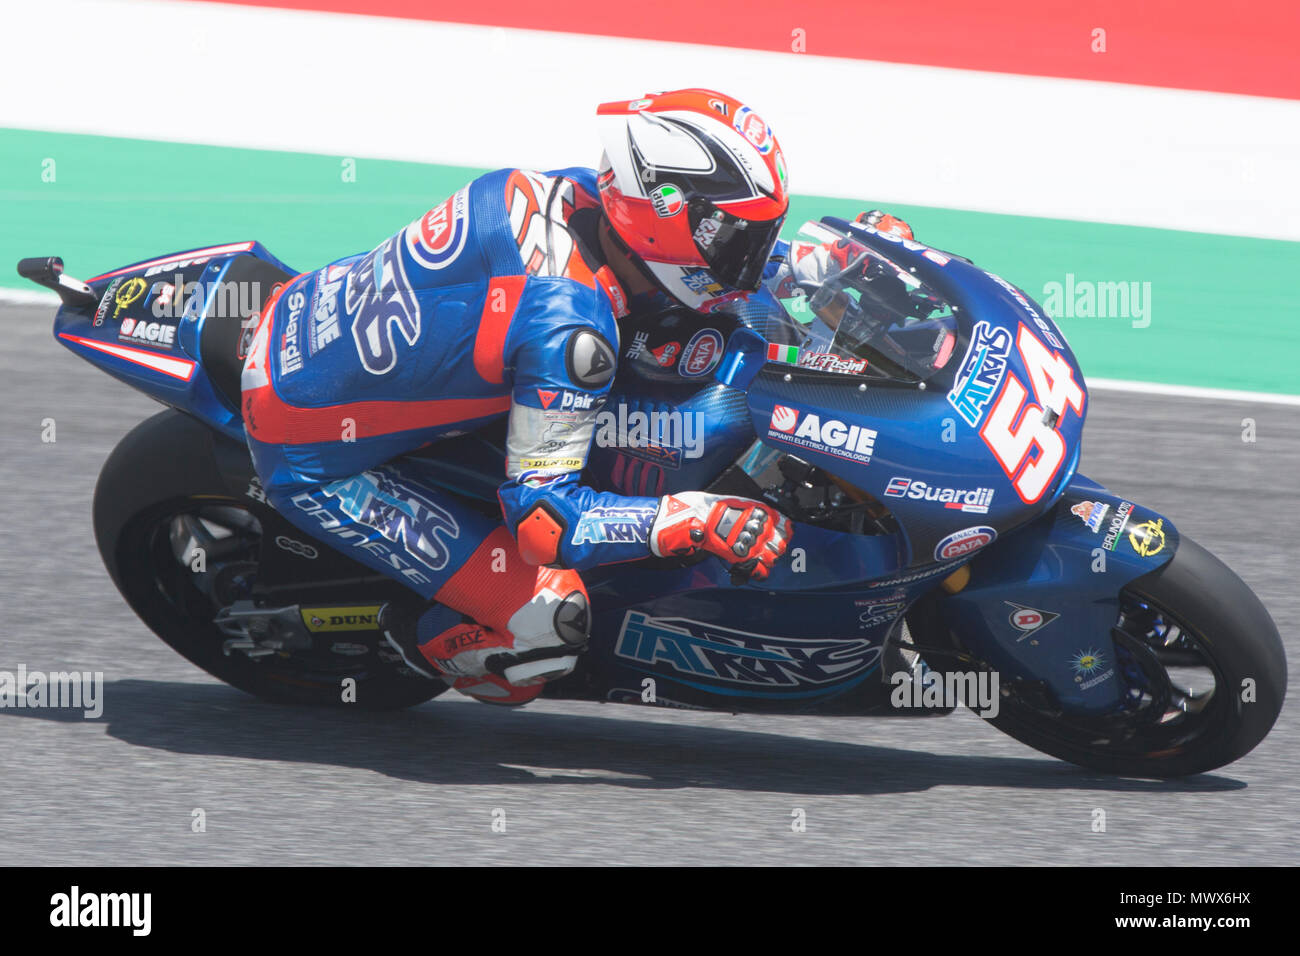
(494, 303)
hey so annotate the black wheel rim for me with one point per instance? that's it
(1175, 691)
(229, 534)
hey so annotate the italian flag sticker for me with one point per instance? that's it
(782, 353)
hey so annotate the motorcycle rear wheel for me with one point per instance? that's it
(163, 476)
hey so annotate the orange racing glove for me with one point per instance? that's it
(884, 222)
(747, 534)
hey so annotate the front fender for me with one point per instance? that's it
(1041, 601)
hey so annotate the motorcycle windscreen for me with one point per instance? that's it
(851, 310)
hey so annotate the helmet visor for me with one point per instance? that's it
(735, 249)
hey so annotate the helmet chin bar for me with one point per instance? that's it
(607, 227)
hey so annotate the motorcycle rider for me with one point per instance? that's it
(807, 264)
(503, 301)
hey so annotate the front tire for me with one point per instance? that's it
(1204, 611)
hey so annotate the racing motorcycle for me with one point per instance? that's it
(919, 420)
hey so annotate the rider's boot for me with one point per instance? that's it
(529, 626)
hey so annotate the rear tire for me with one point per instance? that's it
(166, 467)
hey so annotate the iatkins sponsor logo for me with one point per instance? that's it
(77, 909)
(400, 513)
(383, 305)
(128, 295)
(1148, 538)
(830, 436)
(975, 500)
(605, 525)
(980, 372)
(391, 553)
(697, 651)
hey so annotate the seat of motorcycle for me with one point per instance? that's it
(219, 343)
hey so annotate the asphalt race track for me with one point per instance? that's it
(585, 783)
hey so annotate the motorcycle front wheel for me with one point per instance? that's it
(1204, 670)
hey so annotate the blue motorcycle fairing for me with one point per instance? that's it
(669, 425)
(1040, 604)
(169, 365)
(927, 449)
(810, 639)
(701, 640)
